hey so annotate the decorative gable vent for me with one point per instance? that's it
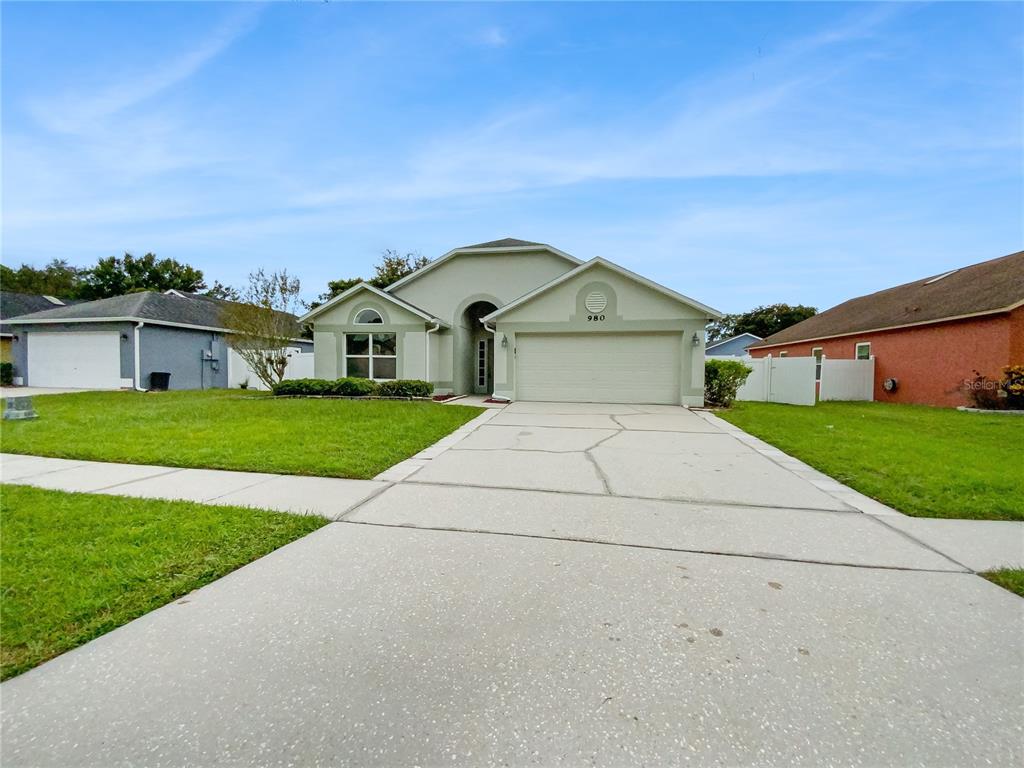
(595, 302)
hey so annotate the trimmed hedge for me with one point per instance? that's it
(405, 388)
(353, 387)
(6, 373)
(721, 380)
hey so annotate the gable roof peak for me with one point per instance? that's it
(505, 246)
(713, 314)
(505, 242)
(365, 286)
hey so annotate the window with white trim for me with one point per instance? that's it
(371, 355)
(368, 317)
(783, 353)
(817, 353)
(863, 350)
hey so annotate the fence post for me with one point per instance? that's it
(819, 386)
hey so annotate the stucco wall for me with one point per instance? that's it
(631, 307)
(446, 290)
(930, 362)
(180, 352)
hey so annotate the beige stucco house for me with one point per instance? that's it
(522, 321)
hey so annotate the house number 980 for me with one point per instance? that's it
(595, 318)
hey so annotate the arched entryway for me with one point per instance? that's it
(479, 349)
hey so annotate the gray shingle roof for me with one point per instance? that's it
(184, 309)
(13, 304)
(506, 242)
(986, 287)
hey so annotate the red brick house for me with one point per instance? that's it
(929, 335)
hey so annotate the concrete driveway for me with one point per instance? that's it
(565, 584)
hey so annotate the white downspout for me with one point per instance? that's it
(138, 356)
(426, 351)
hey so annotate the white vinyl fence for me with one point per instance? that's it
(300, 366)
(847, 379)
(792, 379)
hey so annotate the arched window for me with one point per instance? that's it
(367, 316)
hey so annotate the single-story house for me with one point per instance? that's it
(734, 346)
(13, 304)
(927, 337)
(117, 343)
(520, 320)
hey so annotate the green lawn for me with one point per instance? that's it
(1008, 578)
(228, 429)
(926, 462)
(76, 566)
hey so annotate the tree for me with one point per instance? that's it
(57, 278)
(114, 276)
(263, 323)
(392, 267)
(220, 291)
(721, 329)
(760, 321)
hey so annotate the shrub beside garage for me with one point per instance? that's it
(722, 379)
(402, 389)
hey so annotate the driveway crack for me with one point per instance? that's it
(600, 472)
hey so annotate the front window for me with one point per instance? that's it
(863, 350)
(784, 354)
(371, 355)
(817, 354)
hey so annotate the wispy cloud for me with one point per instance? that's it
(778, 114)
(75, 112)
(491, 37)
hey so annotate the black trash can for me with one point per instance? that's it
(159, 380)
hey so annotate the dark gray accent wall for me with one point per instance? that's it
(180, 352)
(19, 346)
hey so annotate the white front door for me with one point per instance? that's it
(599, 367)
(86, 360)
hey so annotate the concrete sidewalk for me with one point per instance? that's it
(325, 496)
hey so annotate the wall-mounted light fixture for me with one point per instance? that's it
(695, 340)
(504, 341)
(124, 337)
(15, 337)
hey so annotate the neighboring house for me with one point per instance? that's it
(13, 304)
(735, 346)
(522, 321)
(118, 342)
(928, 336)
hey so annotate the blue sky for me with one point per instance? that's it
(739, 153)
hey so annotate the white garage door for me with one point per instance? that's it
(89, 360)
(598, 367)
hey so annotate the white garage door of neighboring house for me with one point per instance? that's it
(599, 367)
(90, 360)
